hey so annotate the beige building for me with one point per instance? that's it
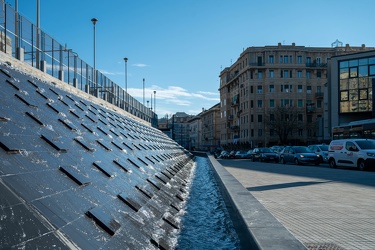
(211, 128)
(264, 78)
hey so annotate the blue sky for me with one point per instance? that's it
(180, 46)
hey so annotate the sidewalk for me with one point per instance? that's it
(324, 208)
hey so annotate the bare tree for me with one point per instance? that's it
(283, 120)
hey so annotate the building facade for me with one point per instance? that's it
(211, 128)
(264, 78)
(352, 81)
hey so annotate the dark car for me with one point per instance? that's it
(298, 155)
(264, 154)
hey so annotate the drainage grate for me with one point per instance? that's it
(323, 246)
(171, 220)
(103, 220)
(83, 144)
(35, 118)
(68, 125)
(13, 84)
(73, 174)
(121, 165)
(103, 144)
(53, 108)
(129, 201)
(54, 143)
(103, 168)
(25, 101)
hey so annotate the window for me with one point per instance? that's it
(272, 103)
(308, 74)
(319, 74)
(270, 59)
(286, 88)
(286, 73)
(290, 59)
(260, 74)
(271, 73)
(251, 89)
(319, 103)
(272, 117)
(285, 59)
(259, 89)
(300, 103)
(309, 118)
(299, 89)
(260, 132)
(251, 104)
(299, 59)
(308, 89)
(299, 73)
(260, 103)
(300, 132)
(272, 88)
(300, 117)
(252, 118)
(260, 118)
(308, 60)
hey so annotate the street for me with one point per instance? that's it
(324, 208)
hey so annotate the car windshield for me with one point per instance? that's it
(265, 150)
(324, 147)
(366, 144)
(302, 150)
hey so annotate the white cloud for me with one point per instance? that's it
(141, 65)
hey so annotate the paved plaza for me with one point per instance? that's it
(324, 208)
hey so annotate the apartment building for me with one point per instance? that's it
(211, 128)
(264, 78)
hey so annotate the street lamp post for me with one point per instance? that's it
(94, 21)
(143, 92)
(126, 83)
(155, 101)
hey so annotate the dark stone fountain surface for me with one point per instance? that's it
(75, 174)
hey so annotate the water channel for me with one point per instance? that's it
(206, 223)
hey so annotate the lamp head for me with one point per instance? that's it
(94, 20)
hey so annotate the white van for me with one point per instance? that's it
(358, 153)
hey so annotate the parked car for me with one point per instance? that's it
(298, 155)
(240, 154)
(232, 154)
(321, 150)
(224, 155)
(358, 153)
(264, 154)
(248, 154)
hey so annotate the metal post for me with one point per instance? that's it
(37, 34)
(94, 21)
(143, 92)
(155, 101)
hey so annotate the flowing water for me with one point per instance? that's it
(206, 223)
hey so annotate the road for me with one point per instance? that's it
(324, 208)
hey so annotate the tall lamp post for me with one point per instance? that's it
(155, 101)
(126, 83)
(143, 92)
(94, 20)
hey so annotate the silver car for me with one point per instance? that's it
(321, 150)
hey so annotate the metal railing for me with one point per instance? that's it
(21, 39)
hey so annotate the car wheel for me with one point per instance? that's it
(361, 165)
(296, 161)
(283, 161)
(253, 159)
(332, 163)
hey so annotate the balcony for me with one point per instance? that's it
(316, 65)
(319, 95)
(235, 128)
(310, 109)
(230, 117)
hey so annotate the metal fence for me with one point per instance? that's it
(24, 41)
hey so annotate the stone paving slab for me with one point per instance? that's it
(324, 208)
